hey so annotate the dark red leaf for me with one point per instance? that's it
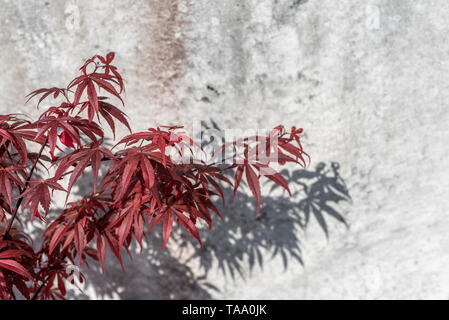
(16, 267)
(254, 185)
(167, 227)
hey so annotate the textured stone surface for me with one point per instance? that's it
(368, 83)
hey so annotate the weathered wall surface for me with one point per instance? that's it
(368, 83)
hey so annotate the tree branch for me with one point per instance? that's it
(19, 202)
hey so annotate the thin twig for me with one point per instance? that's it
(40, 288)
(19, 202)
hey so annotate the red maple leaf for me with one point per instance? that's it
(39, 194)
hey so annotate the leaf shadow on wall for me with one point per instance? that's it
(242, 240)
(239, 242)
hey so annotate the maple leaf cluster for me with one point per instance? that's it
(142, 186)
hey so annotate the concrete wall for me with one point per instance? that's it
(367, 82)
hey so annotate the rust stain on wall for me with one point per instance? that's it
(166, 57)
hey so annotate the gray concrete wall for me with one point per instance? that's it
(366, 80)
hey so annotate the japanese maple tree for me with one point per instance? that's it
(144, 183)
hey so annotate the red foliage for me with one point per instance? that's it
(143, 185)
